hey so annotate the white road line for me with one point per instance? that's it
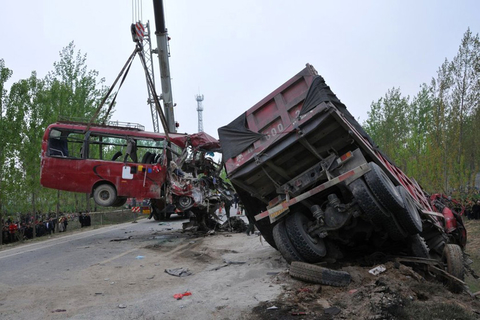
(52, 242)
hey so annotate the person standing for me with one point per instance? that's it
(87, 220)
(236, 199)
(60, 224)
(81, 219)
(251, 225)
(476, 210)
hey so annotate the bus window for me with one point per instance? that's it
(67, 144)
(108, 148)
(150, 151)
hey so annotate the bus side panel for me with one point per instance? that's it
(58, 173)
(135, 181)
(79, 175)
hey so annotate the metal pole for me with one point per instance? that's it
(163, 54)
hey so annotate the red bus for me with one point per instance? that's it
(110, 162)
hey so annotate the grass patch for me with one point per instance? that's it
(426, 311)
(473, 250)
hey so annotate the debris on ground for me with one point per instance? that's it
(399, 292)
(179, 296)
(59, 310)
(227, 263)
(178, 272)
(122, 239)
(234, 224)
(377, 270)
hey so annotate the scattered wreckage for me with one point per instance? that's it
(318, 187)
(193, 186)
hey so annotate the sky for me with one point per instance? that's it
(237, 52)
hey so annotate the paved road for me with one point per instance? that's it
(65, 254)
(86, 275)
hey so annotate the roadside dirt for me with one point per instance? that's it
(398, 293)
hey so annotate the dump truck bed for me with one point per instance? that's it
(290, 131)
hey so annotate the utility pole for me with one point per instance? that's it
(163, 54)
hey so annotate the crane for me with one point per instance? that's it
(142, 35)
(163, 55)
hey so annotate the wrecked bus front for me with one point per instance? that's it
(315, 183)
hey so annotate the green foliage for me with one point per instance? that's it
(30, 105)
(434, 137)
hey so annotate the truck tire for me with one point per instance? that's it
(316, 274)
(453, 257)
(284, 245)
(408, 217)
(105, 195)
(419, 247)
(312, 250)
(383, 188)
(375, 212)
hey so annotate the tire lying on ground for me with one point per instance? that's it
(453, 257)
(316, 274)
(284, 245)
(408, 217)
(383, 188)
(310, 249)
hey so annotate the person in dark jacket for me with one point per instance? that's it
(476, 210)
(81, 219)
(87, 220)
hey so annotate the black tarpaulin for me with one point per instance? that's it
(320, 92)
(236, 137)
(317, 93)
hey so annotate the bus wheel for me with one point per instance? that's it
(105, 195)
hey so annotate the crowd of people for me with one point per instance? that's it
(23, 228)
(473, 211)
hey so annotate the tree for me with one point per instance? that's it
(76, 91)
(31, 105)
(387, 125)
(5, 74)
(435, 136)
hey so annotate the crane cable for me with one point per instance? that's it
(154, 93)
(125, 70)
(138, 50)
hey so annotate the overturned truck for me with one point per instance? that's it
(318, 187)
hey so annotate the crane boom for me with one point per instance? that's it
(163, 55)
